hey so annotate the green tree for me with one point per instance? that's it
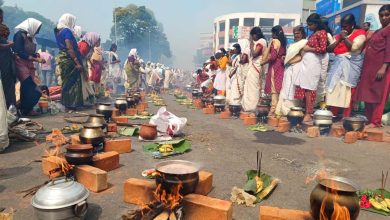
(14, 16)
(138, 28)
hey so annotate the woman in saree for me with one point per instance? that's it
(7, 66)
(292, 64)
(374, 85)
(69, 63)
(235, 80)
(344, 73)
(252, 87)
(97, 68)
(25, 49)
(131, 68)
(312, 65)
(86, 46)
(220, 77)
(275, 60)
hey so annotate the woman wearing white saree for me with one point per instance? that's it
(237, 76)
(252, 87)
(292, 64)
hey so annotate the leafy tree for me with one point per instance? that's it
(138, 28)
(14, 16)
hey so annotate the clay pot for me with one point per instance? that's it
(148, 131)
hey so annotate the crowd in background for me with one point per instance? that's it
(333, 70)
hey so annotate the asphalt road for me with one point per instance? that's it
(224, 147)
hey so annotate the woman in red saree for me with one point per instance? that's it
(374, 86)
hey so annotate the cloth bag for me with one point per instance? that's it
(167, 122)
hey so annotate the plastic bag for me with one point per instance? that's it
(167, 122)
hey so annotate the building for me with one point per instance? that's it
(205, 49)
(363, 10)
(230, 28)
(308, 7)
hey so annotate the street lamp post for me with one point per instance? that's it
(150, 49)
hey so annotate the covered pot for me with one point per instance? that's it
(323, 117)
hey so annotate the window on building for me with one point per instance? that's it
(222, 26)
(249, 22)
(266, 22)
(287, 22)
(221, 41)
(233, 23)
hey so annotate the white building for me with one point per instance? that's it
(224, 25)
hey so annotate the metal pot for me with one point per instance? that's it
(105, 109)
(219, 100)
(61, 199)
(175, 172)
(92, 133)
(196, 93)
(333, 189)
(323, 117)
(137, 98)
(354, 124)
(130, 101)
(79, 154)
(121, 104)
(235, 110)
(97, 118)
(295, 116)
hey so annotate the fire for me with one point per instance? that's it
(339, 212)
(172, 199)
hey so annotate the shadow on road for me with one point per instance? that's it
(18, 146)
(2, 188)
(94, 211)
(276, 138)
(8, 173)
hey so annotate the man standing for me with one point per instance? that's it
(46, 68)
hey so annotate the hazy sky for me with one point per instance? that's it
(183, 20)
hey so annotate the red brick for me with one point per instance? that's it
(243, 115)
(337, 131)
(131, 111)
(313, 131)
(374, 135)
(250, 120)
(351, 137)
(140, 108)
(120, 146)
(120, 119)
(52, 163)
(106, 161)
(208, 111)
(198, 104)
(138, 191)
(205, 184)
(203, 207)
(112, 127)
(75, 139)
(272, 121)
(272, 213)
(283, 126)
(224, 115)
(91, 177)
(115, 113)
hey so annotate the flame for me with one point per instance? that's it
(339, 212)
(171, 199)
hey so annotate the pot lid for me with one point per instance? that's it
(323, 112)
(59, 193)
(296, 109)
(339, 183)
(219, 97)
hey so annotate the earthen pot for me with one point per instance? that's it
(148, 131)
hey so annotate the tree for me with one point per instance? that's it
(138, 28)
(14, 16)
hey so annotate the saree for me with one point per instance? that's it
(132, 74)
(72, 92)
(8, 75)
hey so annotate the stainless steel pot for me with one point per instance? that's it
(219, 100)
(97, 118)
(105, 109)
(61, 199)
(354, 124)
(323, 117)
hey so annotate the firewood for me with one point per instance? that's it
(162, 216)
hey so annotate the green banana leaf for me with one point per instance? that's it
(250, 185)
(180, 146)
(372, 193)
(258, 127)
(129, 131)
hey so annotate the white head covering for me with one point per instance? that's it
(30, 25)
(77, 31)
(91, 38)
(67, 21)
(133, 52)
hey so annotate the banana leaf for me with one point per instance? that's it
(141, 117)
(180, 147)
(372, 193)
(269, 184)
(258, 127)
(129, 131)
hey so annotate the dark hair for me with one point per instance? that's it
(384, 8)
(198, 71)
(349, 19)
(367, 23)
(212, 58)
(325, 23)
(223, 51)
(113, 46)
(237, 47)
(278, 31)
(301, 29)
(316, 19)
(257, 31)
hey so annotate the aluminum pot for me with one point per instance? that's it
(295, 116)
(219, 100)
(196, 93)
(61, 199)
(354, 124)
(332, 189)
(130, 101)
(105, 109)
(121, 104)
(323, 117)
(171, 173)
(92, 133)
(97, 118)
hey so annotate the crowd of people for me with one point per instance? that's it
(337, 70)
(81, 68)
